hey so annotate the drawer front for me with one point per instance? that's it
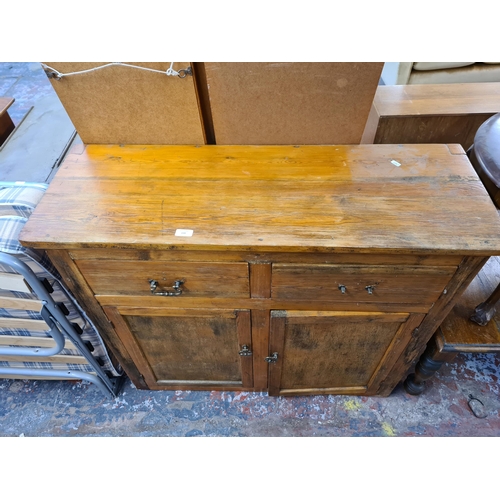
(384, 284)
(200, 279)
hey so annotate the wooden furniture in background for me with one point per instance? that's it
(6, 123)
(472, 326)
(120, 105)
(291, 103)
(432, 113)
(485, 156)
(298, 270)
(458, 334)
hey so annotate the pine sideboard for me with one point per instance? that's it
(287, 269)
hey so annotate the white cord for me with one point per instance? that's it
(170, 71)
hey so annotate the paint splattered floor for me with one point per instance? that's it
(42, 408)
(39, 408)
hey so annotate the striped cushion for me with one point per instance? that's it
(20, 198)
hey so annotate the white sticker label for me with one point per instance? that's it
(184, 232)
(394, 162)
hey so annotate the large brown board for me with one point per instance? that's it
(291, 103)
(121, 105)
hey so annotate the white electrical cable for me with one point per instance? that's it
(57, 74)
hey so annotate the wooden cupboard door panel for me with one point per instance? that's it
(201, 279)
(389, 284)
(189, 348)
(332, 352)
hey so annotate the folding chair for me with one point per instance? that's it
(44, 334)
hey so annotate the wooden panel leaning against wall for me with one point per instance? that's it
(290, 103)
(122, 105)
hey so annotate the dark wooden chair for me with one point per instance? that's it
(458, 334)
(463, 332)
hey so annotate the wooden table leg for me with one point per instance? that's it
(486, 310)
(429, 363)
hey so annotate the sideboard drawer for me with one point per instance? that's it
(200, 279)
(385, 284)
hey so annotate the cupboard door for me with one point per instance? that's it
(187, 348)
(335, 352)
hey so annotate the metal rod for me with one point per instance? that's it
(55, 313)
(60, 374)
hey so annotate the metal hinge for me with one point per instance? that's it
(245, 351)
(272, 359)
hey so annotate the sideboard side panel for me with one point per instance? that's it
(76, 283)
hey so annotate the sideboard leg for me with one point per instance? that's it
(428, 364)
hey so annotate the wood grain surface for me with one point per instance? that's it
(466, 272)
(460, 334)
(438, 99)
(330, 351)
(265, 257)
(421, 285)
(268, 198)
(200, 279)
(74, 280)
(440, 113)
(190, 348)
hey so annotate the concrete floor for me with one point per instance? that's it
(42, 408)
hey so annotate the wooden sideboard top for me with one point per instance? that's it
(382, 198)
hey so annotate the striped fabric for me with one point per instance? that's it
(10, 228)
(20, 198)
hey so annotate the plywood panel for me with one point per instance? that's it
(120, 105)
(291, 103)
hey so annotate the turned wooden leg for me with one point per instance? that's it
(485, 311)
(429, 363)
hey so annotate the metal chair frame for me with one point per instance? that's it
(59, 325)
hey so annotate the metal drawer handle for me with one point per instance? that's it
(370, 289)
(342, 289)
(177, 288)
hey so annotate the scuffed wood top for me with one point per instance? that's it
(438, 99)
(268, 198)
